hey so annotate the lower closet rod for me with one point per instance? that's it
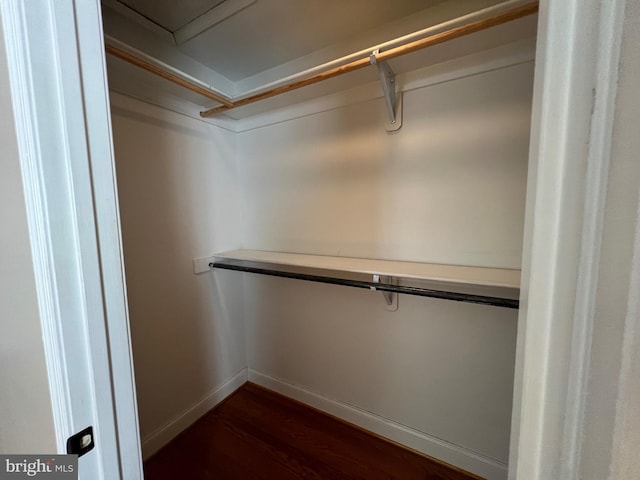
(384, 287)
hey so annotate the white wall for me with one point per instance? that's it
(179, 199)
(26, 422)
(449, 187)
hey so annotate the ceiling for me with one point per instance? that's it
(272, 32)
(252, 36)
(171, 14)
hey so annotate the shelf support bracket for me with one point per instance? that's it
(391, 298)
(392, 99)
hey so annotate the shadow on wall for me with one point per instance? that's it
(177, 184)
(442, 369)
(228, 344)
(315, 184)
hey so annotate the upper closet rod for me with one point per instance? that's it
(408, 47)
(337, 67)
(164, 73)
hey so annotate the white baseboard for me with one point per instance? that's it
(434, 447)
(163, 435)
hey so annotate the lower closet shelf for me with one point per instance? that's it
(486, 286)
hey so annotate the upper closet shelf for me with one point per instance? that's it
(377, 55)
(489, 286)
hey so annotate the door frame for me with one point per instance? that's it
(573, 111)
(577, 63)
(57, 75)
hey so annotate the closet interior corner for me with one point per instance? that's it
(270, 154)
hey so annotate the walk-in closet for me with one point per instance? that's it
(321, 239)
(304, 210)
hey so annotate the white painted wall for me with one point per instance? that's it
(449, 187)
(179, 198)
(26, 422)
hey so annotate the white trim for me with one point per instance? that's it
(461, 457)
(602, 120)
(574, 91)
(12, 15)
(51, 56)
(92, 59)
(167, 432)
(109, 40)
(149, 105)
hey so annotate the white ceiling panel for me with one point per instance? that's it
(171, 14)
(273, 32)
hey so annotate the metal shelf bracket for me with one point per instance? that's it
(391, 298)
(393, 100)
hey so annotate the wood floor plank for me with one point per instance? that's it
(356, 454)
(256, 434)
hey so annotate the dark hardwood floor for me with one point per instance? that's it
(257, 434)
